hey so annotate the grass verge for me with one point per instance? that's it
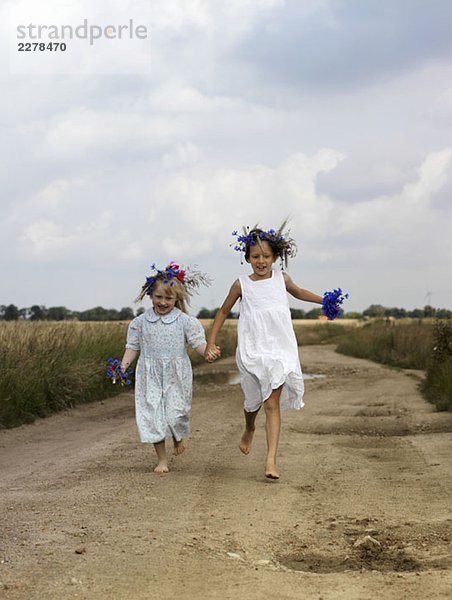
(425, 346)
(49, 366)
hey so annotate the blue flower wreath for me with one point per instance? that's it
(249, 238)
(188, 277)
(280, 241)
(116, 374)
(331, 303)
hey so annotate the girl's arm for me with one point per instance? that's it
(234, 294)
(128, 358)
(201, 349)
(300, 293)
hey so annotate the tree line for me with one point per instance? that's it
(377, 310)
(61, 313)
(374, 310)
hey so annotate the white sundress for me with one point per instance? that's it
(267, 350)
(164, 378)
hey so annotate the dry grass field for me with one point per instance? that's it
(49, 366)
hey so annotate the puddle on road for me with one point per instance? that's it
(233, 378)
(313, 376)
(218, 377)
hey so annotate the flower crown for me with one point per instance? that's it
(172, 273)
(282, 244)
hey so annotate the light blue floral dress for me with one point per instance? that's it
(164, 378)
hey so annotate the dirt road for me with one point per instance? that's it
(362, 510)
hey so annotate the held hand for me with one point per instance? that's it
(216, 352)
(212, 352)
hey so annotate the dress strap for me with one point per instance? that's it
(243, 282)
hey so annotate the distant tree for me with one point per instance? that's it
(125, 314)
(24, 314)
(98, 313)
(11, 313)
(297, 313)
(397, 313)
(314, 313)
(374, 310)
(140, 311)
(112, 314)
(429, 311)
(38, 313)
(58, 313)
(205, 313)
(417, 313)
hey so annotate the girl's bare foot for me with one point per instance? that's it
(270, 471)
(179, 447)
(246, 441)
(161, 469)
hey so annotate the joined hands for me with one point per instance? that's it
(212, 352)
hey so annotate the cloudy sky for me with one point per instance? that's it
(125, 152)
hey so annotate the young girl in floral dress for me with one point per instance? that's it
(267, 351)
(163, 378)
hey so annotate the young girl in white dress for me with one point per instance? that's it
(163, 378)
(267, 351)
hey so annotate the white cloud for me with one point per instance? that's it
(45, 237)
(183, 154)
(440, 112)
(404, 216)
(47, 240)
(108, 174)
(52, 196)
(132, 252)
(210, 201)
(82, 132)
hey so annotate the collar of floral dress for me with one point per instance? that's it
(152, 316)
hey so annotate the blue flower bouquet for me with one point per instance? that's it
(116, 374)
(331, 304)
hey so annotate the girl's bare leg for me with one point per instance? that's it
(247, 437)
(272, 428)
(162, 466)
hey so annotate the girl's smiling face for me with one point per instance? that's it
(261, 258)
(163, 299)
